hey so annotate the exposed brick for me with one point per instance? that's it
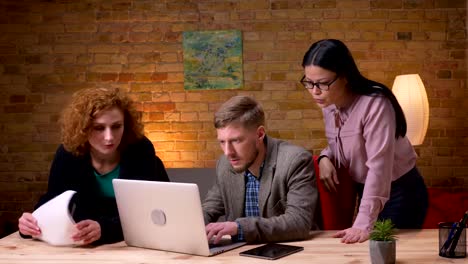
(453, 45)
(456, 34)
(459, 74)
(255, 5)
(404, 35)
(205, 116)
(397, 26)
(417, 4)
(155, 107)
(450, 4)
(35, 98)
(168, 57)
(146, 27)
(335, 25)
(331, 14)
(444, 74)
(432, 26)
(103, 49)
(109, 77)
(17, 99)
(190, 107)
(187, 126)
(51, 49)
(169, 67)
(189, 146)
(187, 117)
(49, 28)
(363, 26)
(81, 28)
(138, 37)
(389, 45)
(176, 78)
(384, 4)
(142, 77)
(106, 68)
(18, 108)
(172, 156)
(158, 77)
(217, 6)
(126, 77)
(160, 97)
(157, 126)
(355, 4)
(272, 67)
(271, 26)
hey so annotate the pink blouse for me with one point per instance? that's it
(361, 137)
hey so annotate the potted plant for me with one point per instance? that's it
(382, 244)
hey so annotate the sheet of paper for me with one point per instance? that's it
(55, 221)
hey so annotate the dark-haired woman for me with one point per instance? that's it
(365, 127)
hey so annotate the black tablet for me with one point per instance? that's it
(271, 251)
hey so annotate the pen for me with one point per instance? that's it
(447, 243)
(461, 225)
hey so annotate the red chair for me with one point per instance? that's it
(337, 208)
(445, 205)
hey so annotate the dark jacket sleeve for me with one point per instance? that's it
(57, 184)
(138, 162)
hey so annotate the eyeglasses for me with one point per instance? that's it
(321, 86)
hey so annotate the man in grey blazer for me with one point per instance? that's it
(265, 187)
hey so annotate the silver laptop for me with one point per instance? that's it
(165, 216)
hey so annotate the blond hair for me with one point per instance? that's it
(241, 109)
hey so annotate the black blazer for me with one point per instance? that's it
(68, 172)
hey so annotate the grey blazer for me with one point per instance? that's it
(287, 196)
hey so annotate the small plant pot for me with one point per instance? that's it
(382, 252)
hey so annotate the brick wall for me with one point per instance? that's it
(49, 49)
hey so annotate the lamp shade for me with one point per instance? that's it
(411, 95)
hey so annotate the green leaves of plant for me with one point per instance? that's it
(384, 230)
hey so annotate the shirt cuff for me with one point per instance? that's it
(366, 217)
(240, 233)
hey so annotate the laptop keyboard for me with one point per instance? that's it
(210, 245)
(223, 242)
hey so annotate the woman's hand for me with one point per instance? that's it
(27, 225)
(88, 231)
(328, 174)
(352, 235)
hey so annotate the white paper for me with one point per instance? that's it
(55, 221)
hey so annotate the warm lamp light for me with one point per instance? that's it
(411, 95)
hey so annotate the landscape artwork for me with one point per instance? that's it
(212, 59)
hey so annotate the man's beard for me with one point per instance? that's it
(248, 164)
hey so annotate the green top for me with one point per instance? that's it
(104, 182)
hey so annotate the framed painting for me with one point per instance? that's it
(212, 59)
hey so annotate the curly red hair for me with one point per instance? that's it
(77, 119)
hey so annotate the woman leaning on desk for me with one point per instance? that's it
(102, 139)
(365, 127)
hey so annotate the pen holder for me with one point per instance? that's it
(452, 240)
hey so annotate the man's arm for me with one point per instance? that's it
(213, 205)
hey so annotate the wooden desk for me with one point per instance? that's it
(415, 246)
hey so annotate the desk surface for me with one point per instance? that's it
(413, 246)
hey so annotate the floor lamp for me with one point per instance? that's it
(411, 94)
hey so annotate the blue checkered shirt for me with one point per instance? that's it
(251, 209)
